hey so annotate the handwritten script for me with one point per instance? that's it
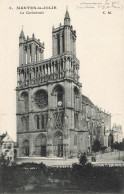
(103, 4)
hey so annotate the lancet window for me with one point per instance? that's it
(76, 120)
(25, 123)
(25, 101)
(76, 98)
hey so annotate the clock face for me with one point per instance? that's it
(59, 103)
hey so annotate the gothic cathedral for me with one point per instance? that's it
(49, 97)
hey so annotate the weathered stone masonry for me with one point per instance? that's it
(51, 119)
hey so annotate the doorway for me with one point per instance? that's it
(40, 145)
(60, 150)
(26, 151)
(43, 151)
(58, 144)
(25, 148)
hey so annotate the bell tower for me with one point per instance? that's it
(31, 50)
(64, 38)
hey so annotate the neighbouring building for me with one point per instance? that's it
(117, 133)
(54, 119)
(8, 147)
(2, 135)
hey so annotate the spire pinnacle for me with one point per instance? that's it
(67, 18)
(67, 14)
(22, 34)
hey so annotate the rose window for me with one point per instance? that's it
(41, 99)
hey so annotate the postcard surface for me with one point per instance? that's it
(97, 35)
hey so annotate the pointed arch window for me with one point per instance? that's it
(42, 122)
(37, 121)
(76, 120)
(75, 140)
(25, 123)
(76, 98)
(26, 59)
(58, 43)
(25, 101)
(30, 53)
(63, 44)
(59, 93)
(36, 52)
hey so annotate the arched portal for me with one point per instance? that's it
(110, 140)
(40, 145)
(58, 144)
(25, 148)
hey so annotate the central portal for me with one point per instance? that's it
(60, 150)
(40, 145)
(58, 144)
(43, 151)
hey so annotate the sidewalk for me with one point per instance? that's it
(106, 158)
(110, 157)
(48, 161)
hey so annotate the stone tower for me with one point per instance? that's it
(49, 96)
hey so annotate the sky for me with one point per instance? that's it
(99, 47)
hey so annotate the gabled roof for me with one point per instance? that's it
(2, 136)
(7, 138)
(86, 100)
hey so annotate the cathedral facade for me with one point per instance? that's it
(53, 117)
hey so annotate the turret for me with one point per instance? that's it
(22, 37)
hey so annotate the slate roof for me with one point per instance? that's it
(86, 100)
(7, 138)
